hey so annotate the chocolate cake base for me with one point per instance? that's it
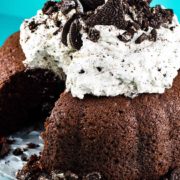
(26, 95)
(119, 137)
(34, 171)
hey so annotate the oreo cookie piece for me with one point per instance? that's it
(91, 5)
(66, 29)
(141, 38)
(75, 35)
(153, 35)
(17, 152)
(50, 7)
(67, 6)
(33, 26)
(125, 37)
(112, 13)
(93, 34)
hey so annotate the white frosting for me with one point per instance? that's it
(126, 68)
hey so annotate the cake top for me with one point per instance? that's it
(105, 47)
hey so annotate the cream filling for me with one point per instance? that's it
(108, 67)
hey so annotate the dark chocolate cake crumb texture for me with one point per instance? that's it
(26, 95)
(175, 175)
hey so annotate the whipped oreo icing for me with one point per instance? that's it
(105, 48)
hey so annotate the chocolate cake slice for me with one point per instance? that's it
(26, 95)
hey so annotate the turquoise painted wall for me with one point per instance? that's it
(12, 13)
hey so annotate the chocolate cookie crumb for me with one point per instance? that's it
(32, 146)
(50, 7)
(93, 35)
(75, 35)
(125, 37)
(17, 152)
(24, 157)
(153, 35)
(67, 6)
(33, 26)
(141, 38)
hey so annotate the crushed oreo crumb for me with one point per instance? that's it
(33, 26)
(153, 35)
(56, 32)
(91, 5)
(66, 29)
(141, 38)
(99, 69)
(125, 37)
(58, 23)
(81, 71)
(93, 34)
(17, 152)
(32, 146)
(75, 35)
(67, 6)
(50, 7)
(24, 157)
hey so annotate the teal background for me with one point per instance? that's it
(12, 13)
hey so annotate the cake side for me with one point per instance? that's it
(118, 137)
(26, 95)
(11, 57)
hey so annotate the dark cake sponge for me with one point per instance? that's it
(119, 137)
(4, 147)
(26, 95)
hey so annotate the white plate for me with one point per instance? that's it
(11, 163)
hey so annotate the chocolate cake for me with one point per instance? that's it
(26, 95)
(118, 137)
(119, 116)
